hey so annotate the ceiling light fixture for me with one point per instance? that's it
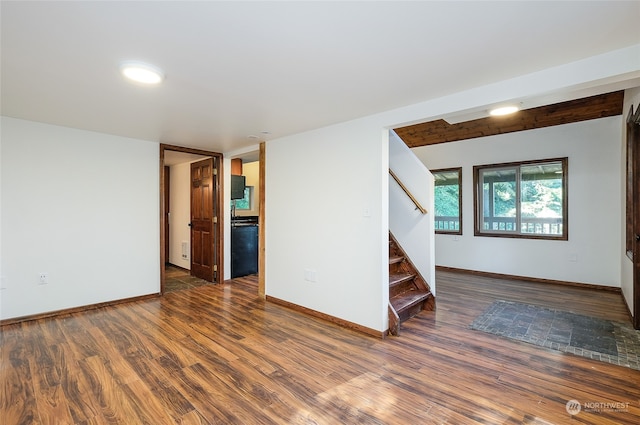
(141, 72)
(504, 110)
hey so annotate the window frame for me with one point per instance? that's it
(478, 221)
(248, 197)
(449, 170)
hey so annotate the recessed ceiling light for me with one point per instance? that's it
(141, 72)
(504, 110)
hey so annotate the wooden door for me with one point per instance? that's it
(636, 237)
(203, 231)
(167, 214)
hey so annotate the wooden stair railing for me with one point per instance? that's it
(409, 194)
(409, 292)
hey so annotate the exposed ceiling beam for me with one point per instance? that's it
(440, 131)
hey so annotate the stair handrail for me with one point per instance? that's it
(409, 194)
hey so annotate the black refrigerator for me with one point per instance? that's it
(244, 249)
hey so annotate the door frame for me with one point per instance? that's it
(262, 240)
(633, 206)
(167, 211)
(218, 196)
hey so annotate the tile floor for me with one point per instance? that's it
(604, 340)
(177, 278)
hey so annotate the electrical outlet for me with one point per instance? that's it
(310, 275)
(44, 278)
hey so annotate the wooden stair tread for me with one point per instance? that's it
(398, 278)
(407, 299)
(409, 293)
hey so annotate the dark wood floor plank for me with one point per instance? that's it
(219, 354)
(115, 404)
(209, 396)
(116, 355)
(149, 408)
(53, 407)
(82, 406)
(17, 398)
(373, 398)
(193, 418)
(465, 396)
(167, 395)
(164, 343)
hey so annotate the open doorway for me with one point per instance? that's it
(249, 209)
(191, 236)
(245, 193)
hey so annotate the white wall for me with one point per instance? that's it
(326, 212)
(413, 230)
(593, 149)
(342, 171)
(318, 184)
(82, 207)
(631, 97)
(180, 217)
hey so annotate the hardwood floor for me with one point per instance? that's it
(217, 354)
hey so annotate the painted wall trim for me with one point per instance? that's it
(531, 279)
(326, 317)
(80, 309)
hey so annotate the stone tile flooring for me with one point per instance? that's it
(177, 278)
(604, 340)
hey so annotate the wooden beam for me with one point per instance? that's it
(440, 131)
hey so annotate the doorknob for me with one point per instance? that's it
(637, 238)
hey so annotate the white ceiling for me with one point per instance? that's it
(235, 69)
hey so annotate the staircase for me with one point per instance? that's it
(409, 293)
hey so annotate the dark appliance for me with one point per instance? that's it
(237, 187)
(244, 246)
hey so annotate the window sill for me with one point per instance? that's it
(444, 232)
(522, 236)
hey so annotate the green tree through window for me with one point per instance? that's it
(244, 203)
(525, 199)
(448, 200)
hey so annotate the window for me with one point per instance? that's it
(244, 203)
(448, 200)
(522, 199)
